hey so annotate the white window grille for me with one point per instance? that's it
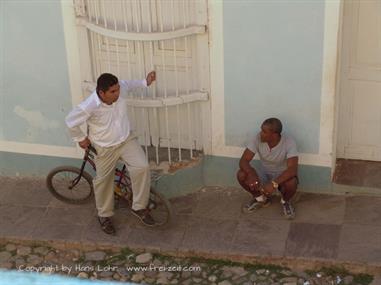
(132, 37)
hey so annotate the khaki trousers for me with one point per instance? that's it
(134, 157)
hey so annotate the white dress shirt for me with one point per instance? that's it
(108, 124)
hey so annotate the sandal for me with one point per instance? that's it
(106, 225)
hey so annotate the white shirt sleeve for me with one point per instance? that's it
(74, 120)
(291, 148)
(130, 85)
(253, 143)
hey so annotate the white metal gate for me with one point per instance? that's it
(132, 37)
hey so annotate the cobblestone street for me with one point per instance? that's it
(147, 268)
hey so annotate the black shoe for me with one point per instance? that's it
(106, 225)
(144, 216)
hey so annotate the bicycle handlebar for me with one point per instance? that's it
(92, 149)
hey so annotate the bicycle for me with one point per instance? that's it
(74, 185)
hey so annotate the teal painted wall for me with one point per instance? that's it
(211, 171)
(16, 164)
(273, 56)
(34, 85)
(272, 63)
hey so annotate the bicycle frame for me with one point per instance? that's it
(121, 174)
(89, 158)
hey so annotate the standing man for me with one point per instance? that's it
(278, 168)
(109, 132)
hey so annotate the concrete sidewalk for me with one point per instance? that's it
(328, 229)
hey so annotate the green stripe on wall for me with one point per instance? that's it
(211, 171)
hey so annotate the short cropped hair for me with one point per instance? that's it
(105, 81)
(275, 125)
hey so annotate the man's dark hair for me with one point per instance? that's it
(275, 125)
(105, 81)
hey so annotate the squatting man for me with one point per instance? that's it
(109, 132)
(277, 169)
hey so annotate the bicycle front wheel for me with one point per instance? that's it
(160, 208)
(66, 185)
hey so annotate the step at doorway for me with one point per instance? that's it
(362, 173)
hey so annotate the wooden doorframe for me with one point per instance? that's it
(338, 87)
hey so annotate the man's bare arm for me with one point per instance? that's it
(244, 162)
(290, 172)
(244, 165)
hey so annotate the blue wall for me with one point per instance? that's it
(34, 84)
(273, 52)
(272, 63)
(211, 171)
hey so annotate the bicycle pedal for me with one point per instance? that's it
(151, 205)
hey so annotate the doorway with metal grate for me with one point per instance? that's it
(129, 38)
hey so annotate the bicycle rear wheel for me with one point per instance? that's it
(60, 182)
(160, 208)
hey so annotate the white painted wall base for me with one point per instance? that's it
(41, 149)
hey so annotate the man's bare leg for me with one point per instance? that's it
(242, 180)
(288, 188)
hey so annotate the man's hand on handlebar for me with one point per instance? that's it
(85, 143)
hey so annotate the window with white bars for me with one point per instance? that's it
(129, 38)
